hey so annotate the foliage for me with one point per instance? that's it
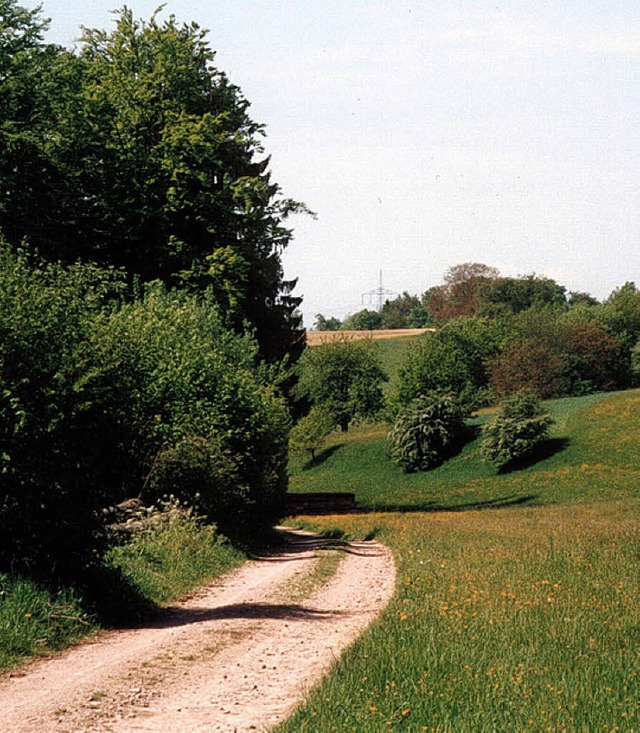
(556, 353)
(326, 324)
(405, 311)
(453, 360)
(458, 296)
(364, 320)
(100, 401)
(529, 365)
(172, 556)
(309, 433)
(519, 427)
(52, 484)
(136, 151)
(514, 295)
(197, 417)
(621, 314)
(594, 359)
(344, 377)
(426, 431)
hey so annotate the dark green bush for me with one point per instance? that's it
(426, 431)
(51, 491)
(519, 426)
(100, 401)
(193, 414)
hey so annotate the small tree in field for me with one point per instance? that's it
(310, 431)
(519, 426)
(426, 431)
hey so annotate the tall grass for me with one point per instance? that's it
(168, 560)
(34, 620)
(518, 619)
(159, 565)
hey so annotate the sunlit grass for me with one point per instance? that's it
(522, 618)
(592, 453)
(515, 620)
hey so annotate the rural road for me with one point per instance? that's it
(237, 656)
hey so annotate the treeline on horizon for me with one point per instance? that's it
(146, 329)
(497, 335)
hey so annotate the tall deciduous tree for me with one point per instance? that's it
(458, 296)
(149, 160)
(345, 378)
(506, 295)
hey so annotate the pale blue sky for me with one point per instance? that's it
(427, 134)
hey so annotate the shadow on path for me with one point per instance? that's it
(177, 617)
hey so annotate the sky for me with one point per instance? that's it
(428, 134)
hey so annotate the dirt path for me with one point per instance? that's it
(238, 656)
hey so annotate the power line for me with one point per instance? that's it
(378, 295)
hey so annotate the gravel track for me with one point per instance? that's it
(235, 657)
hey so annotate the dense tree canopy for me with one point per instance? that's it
(138, 152)
(344, 378)
(458, 295)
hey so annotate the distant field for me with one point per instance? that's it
(314, 338)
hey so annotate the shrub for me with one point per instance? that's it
(426, 431)
(310, 431)
(192, 413)
(100, 401)
(518, 427)
(171, 556)
(51, 485)
(594, 359)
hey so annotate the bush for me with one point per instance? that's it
(344, 378)
(100, 401)
(594, 359)
(192, 413)
(519, 426)
(426, 431)
(52, 485)
(172, 556)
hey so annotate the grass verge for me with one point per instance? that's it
(34, 620)
(160, 564)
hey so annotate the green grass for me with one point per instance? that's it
(160, 565)
(392, 353)
(36, 621)
(522, 618)
(169, 560)
(579, 464)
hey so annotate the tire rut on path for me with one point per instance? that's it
(235, 657)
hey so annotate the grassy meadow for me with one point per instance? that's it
(522, 618)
